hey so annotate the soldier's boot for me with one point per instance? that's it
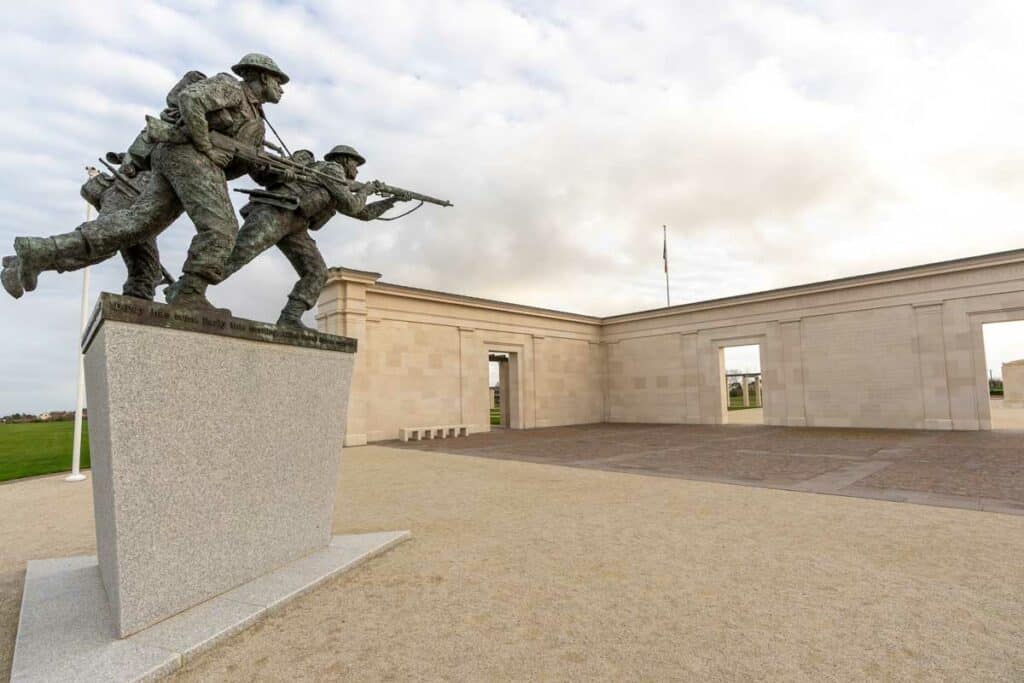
(11, 276)
(190, 292)
(291, 315)
(172, 289)
(35, 254)
(73, 251)
(68, 251)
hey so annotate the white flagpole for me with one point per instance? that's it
(76, 452)
(664, 255)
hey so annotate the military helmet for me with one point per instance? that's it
(254, 60)
(339, 151)
(304, 153)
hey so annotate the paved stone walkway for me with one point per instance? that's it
(972, 470)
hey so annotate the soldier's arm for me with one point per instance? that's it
(345, 200)
(372, 211)
(196, 100)
(266, 177)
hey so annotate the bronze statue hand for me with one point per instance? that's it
(219, 157)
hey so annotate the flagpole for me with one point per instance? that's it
(76, 449)
(664, 255)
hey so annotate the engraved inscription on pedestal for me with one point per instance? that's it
(112, 307)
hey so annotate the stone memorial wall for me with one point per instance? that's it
(897, 349)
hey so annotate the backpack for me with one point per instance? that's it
(140, 150)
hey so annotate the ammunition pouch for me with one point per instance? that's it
(321, 219)
(93, 189)
(315, 203)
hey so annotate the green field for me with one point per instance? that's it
(736, 403)
(495, 416)
(36, 448)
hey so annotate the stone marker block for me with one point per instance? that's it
(215, 444)
(1013, 384)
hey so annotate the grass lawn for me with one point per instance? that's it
(495, 416)
(736, 403)
(39, 448)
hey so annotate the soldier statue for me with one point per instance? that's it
(287, 211)
(107, 193)
(211, 131)
(189, 172)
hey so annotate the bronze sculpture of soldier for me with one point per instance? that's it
(284, 215)
(107, 193)
(190, 176)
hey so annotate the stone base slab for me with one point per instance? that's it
(67, 632)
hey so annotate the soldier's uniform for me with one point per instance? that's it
(268, 225)
(183, 178)
(186, 178)
(143, 259)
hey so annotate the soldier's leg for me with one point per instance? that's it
(143, 263)
(201, 187)
(93, 241)
(264, 227)
(302, 252)
(149, 215)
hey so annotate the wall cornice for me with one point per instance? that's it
(888, 277)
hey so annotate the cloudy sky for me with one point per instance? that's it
(781, 142)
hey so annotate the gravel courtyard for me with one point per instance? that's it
(528, 571)
(971, 470)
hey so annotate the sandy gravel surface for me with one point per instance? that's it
(526, 571)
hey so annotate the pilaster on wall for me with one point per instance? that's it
(773, 384)
(931, 351)
(598, 351)
(690, 378)
(471, 355)
(711, 387)
(793, 372)
(958, 339)
(342, 310)
(539, 368)
(608, 385)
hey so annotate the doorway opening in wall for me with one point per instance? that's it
(1004, 360)
(744, 387)
(499, 392)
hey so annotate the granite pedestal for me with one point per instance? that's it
(215, 444)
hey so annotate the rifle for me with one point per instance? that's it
(401, 193)
(125, 186)
(278, 199)
(158, 130)
(133, 191)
